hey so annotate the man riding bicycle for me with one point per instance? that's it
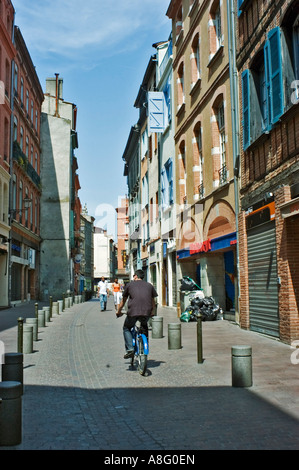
(141, 306)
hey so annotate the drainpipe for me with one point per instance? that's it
(234, 91)
(11, 163)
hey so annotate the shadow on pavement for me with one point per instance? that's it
(192, 418)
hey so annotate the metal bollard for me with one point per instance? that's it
(241, 366)
(12, 368)
(10, 413)
(34, 323)
(27, 339)
(41, 318)
(20, 334)
(157, 327)
(36, 309)
(51, 302)
(174, 336)
(199, 341)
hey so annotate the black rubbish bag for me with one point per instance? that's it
(187, 284)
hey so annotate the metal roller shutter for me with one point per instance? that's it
(262, 277)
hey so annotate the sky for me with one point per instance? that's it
(101, 50)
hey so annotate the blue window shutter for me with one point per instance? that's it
(170, 182)
(268, 117)
(275, 69)
(246, 108)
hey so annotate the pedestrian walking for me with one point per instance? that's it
(117, 294)
(103, 293)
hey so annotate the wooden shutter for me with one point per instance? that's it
(275, 70)
(246, 109)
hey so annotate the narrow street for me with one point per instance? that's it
(81, 394)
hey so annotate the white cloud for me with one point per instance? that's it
(67, 27)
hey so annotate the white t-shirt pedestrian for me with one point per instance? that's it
(103, 286)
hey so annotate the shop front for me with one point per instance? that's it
(212, 265)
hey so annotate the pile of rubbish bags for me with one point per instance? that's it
(202, 306)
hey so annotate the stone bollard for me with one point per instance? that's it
(10, 413)
(34, 323)
(12, 368)
(41, 319)
(47, 314)
(60, 306)
(67, 302)
(241, 366)
(157, 327)
(80, 299)
(174, 336)
(55, 309)
(71, 300)
(76, 299)
(27, 339)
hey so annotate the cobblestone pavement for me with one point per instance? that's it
(79, 392)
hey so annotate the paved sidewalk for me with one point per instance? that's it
(81, 394)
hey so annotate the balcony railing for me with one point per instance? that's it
(223, 175)
(201, 190)
(22, 160)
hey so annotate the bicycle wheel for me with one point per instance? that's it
(142, 358)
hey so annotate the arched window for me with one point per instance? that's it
(182, 173)
(198, 186)
(181, 86)
(195, 60)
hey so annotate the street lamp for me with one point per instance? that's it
(27, 204)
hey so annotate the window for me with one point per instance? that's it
(263, 98)
(32, 111)
(221, 127)
(15, 128)
(22, 91)
(144, 188)
(182, 173)
(16, 78)
(144, 143)
(36, 120)
(195, 60)
(27, 147)
(14, 192)
(21, 138)
(180, 86)
(20, 200)
(215, 29)
(167, 185)
(27, 101)
(167, 96)
(198, 162)
(217, 22)
(179, 23)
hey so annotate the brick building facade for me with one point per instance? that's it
(268, 64)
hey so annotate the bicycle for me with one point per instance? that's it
(141, 348)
